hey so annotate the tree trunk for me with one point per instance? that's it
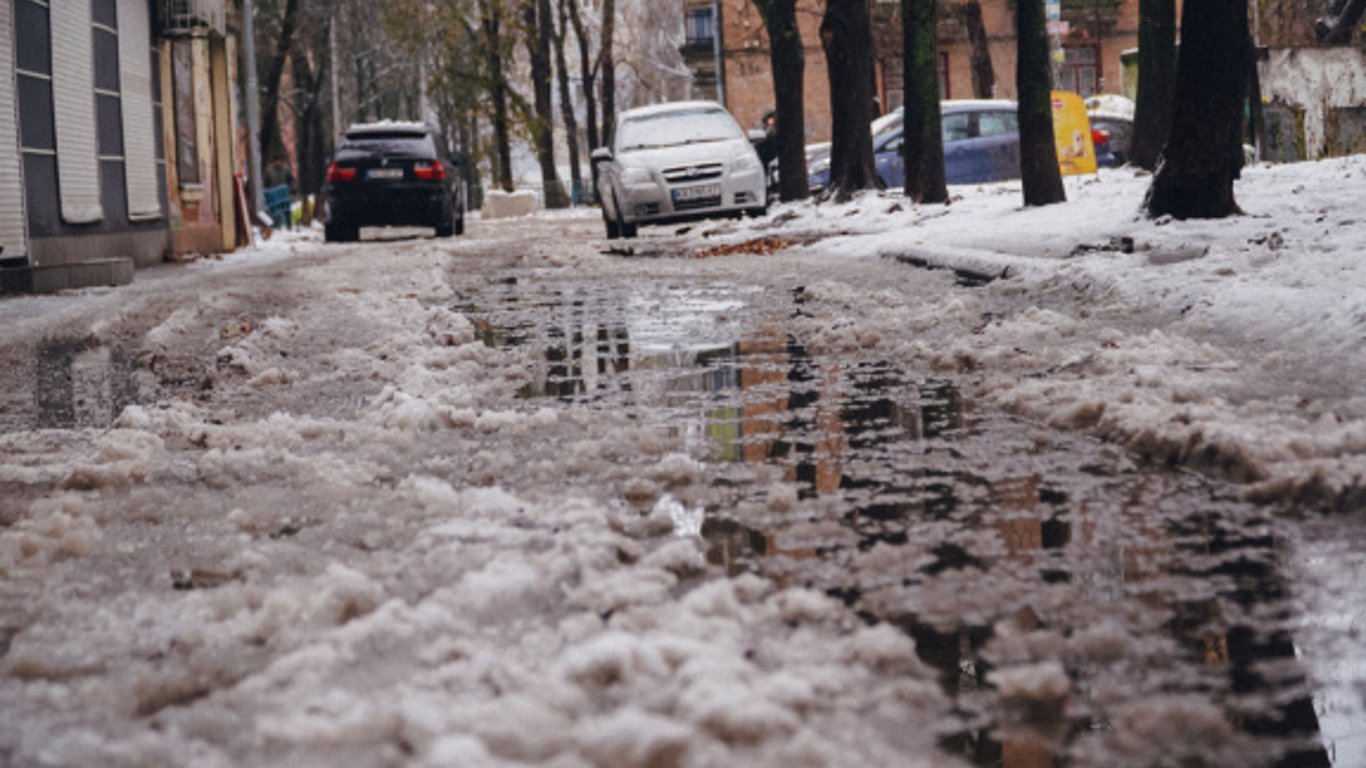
(309, 125)
(1039, 172)
(536, 16)
(588, 71)
(846, 35)
(983, 76)
(923, 142)
(608, 67)
(270, 99)
(1194, 178)
(1156, 80)
(571, 121)
(491, 22)
(789, 65)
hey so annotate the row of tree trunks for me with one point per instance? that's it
(538, 29)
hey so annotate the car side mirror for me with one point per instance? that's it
(601, 155)
(460, 158)
(755, 135)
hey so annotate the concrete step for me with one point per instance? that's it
(61, 277)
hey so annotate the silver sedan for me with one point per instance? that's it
(677, 162)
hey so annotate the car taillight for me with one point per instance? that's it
(336, 174)
(433, 172)
(1099, 136)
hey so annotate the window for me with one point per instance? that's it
(997, 123)
(701, 28)
(1080, 71)
(957, 126)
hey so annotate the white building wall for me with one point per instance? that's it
(13, 227)
(1317, 79)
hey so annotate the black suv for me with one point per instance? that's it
(393, 174)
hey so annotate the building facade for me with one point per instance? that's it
(199, 125)
(1314, 94)
(86, 88)
(1092, 34)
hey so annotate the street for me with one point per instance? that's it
(701, 498)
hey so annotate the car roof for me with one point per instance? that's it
(673, 106)
(390, 127)
(976, 105)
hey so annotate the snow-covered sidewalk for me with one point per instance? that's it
(1233, 345)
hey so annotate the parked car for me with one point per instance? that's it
(981, 143)
(1112, 134)
(393, 174)
(677, 162)
(1112, 128)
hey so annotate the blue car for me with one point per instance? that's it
(981, 144)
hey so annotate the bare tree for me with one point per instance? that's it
(279, 30)
(538, 26)
(608, 68)
(571, 120)
(923, 133)
(983, 75)
(1195, 174)
(1039, 172)
(494, 52)
(846, 35)
(589, 64)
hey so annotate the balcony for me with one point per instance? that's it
(189, 17)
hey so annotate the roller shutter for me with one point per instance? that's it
(13, 234)
(73, 97)
(135, 74)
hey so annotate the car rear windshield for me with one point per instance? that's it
(358, 146)
(671, 129)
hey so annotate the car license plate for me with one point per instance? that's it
(696, 193)
(384, 173)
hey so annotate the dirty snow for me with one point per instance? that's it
(309, 554)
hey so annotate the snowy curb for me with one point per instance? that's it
(969, 262)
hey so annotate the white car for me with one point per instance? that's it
(676, 162)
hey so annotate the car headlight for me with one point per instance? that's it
(746, 162)
(636, 176)
(820, 166)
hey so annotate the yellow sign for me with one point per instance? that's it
(1072, 132)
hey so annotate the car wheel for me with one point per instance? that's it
(628, 230)
(339, 233)
(445, 229)
(613, 232)
(460, 224)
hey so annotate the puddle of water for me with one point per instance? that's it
(887, 457)
(79, 383)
